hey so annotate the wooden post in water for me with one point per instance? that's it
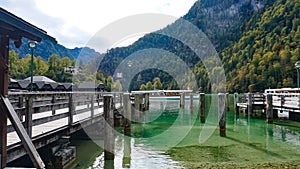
(227, 101)
(147, 101)
(250, 108)
(191, 103)
(269, 109)
(137, 107)
(182, 101)
(202, 107)
(127, 113)
(236, 101)
(28, 115)
(221, 109)
(109, 138)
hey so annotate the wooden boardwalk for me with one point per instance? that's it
(48, 116)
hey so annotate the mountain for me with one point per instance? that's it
(257, 41)
(45, 49)
(265, 54)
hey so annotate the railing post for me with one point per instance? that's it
(236, 101)
(222, 120)
(71, 109)
(127, 113)
(98, 99)
(53, 101)
(269, 108)
(121, 99)
(250, 108)
(202, 107)
(92, 106)
(109, 139)
(88, 104)
(182, 100)
(227, 101)
(191, 103)
(28, 114)
(20, 105)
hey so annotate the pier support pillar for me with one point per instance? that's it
(269, 109)
(202, 107)
(127, 113)
(221, 109)
(137, 107)
(250, 108)
(147, 101)
(182, 100)
(236, 101)
(227, 101)
(109, 137)
(191, 103)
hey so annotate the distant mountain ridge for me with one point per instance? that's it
(223, 21)
(45, 49)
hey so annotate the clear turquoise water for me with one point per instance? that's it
(249, 139)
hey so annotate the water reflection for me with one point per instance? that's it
(145, 150)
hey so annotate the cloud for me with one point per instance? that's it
(73, 23)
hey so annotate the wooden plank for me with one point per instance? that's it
(26, 141)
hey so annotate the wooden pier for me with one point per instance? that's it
(287, 102)
(47, 117)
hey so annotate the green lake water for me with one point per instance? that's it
(169, 137)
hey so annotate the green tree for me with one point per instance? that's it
(40, 66)
(143, 87)
(149, 86)
(157, 84)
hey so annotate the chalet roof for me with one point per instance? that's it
(89, 85)
(17, 28)
(41, 79)
(24, 83)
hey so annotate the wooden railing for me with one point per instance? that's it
(28, 104)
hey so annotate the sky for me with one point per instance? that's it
(74, 22)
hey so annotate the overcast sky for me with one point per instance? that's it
(74, 22)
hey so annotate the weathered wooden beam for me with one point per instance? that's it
(221, 109)
(92, 105)
(202, 107)
(4, 47)
(127, 113)
(269, 109)
(28, 115)
(26, 141)
(147, 101)
(109, 138)
(227, 101)
(191, 103)
(182, 100)
(71, 109)
(250, 105)
(236, 101)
